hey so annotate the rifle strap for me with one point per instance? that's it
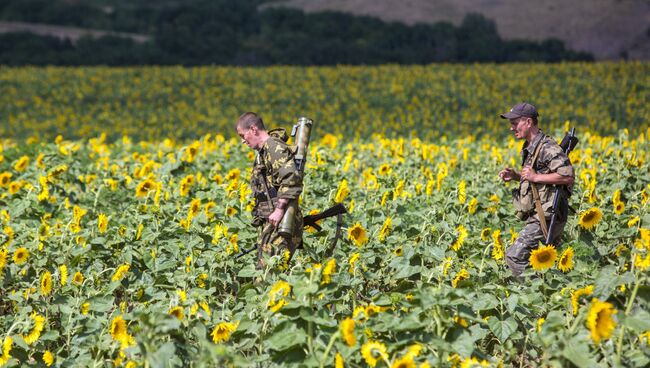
(538, 201)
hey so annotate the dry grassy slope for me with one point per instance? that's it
(606, 28)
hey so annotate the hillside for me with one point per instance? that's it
(609, 29)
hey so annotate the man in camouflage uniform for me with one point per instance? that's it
(551, 167)
(275, 182)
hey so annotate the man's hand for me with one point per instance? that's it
(276, 216)
(528, 173)
(508, 174)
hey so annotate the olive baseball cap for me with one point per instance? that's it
(519, 110)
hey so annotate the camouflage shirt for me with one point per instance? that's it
(551, 159)
(274, 163)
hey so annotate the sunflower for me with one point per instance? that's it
(14, 187)
(278, 292)
(398, 251)
(633, 221)
(177, 312)
(338, 361)
(21, 164)
(6, 349)
(543, 257)
(3, 258)
(48, 358)
(619, 207)
(222, 331)
(143, 189)
(102, 223)
(138, 231)
(385, 170)
(195, 207)
(121, 272)
(20, 255)
(373, 350)
(185, 185)
(328, 270)
(342, 191)
(85, 307)
(5, 179)
(460, 276)
(233, 175)
(357, 234)
(471, 207)
(485, 234)
(600, 320)
(385, 228)
(231, 211)
(347, 330)
(575, 297)
(462, 196)
(460, 239)
(63, 270)
(590, 217)
(497, 248)
(46, 283)
(540, 323)
(119, 331)
(565, 264)
(404, 362)
(35, 332)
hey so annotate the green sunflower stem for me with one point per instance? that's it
(328, 348)
(628, 309)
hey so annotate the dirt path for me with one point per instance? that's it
(61, 32)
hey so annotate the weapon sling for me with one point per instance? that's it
(538, 201)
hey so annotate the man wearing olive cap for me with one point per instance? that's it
(544, 165)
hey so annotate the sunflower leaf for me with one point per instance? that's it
(502, 329)
(577, 352)
(606, 282)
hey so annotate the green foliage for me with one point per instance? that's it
(235, 32)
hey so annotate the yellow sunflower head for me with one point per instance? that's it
(565, 264)
(372, 351)
(404, 362)
(347, 330)
(223, 331)
(357, 234)
(619, 207)
(118, 328)
(46, 283)
(144, 188)
(600, 321)
(543, 258)
(590, 217)
(20, 255)
(177, 312)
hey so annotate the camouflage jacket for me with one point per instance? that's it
(274, 163)
(551, 159)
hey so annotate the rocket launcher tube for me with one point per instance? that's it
(301, 133)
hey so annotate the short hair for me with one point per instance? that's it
(250, 119)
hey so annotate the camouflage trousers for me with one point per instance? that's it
(518, 254)
(272, 243)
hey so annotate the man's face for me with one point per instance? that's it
(249, 136)
(520, 126)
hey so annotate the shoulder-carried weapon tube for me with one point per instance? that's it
(568, 144)
(301, 132)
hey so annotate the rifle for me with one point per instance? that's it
(310, 220)
(568, 144)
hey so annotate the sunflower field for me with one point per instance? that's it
(124, 202)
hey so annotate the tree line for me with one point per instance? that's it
(240, 32)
